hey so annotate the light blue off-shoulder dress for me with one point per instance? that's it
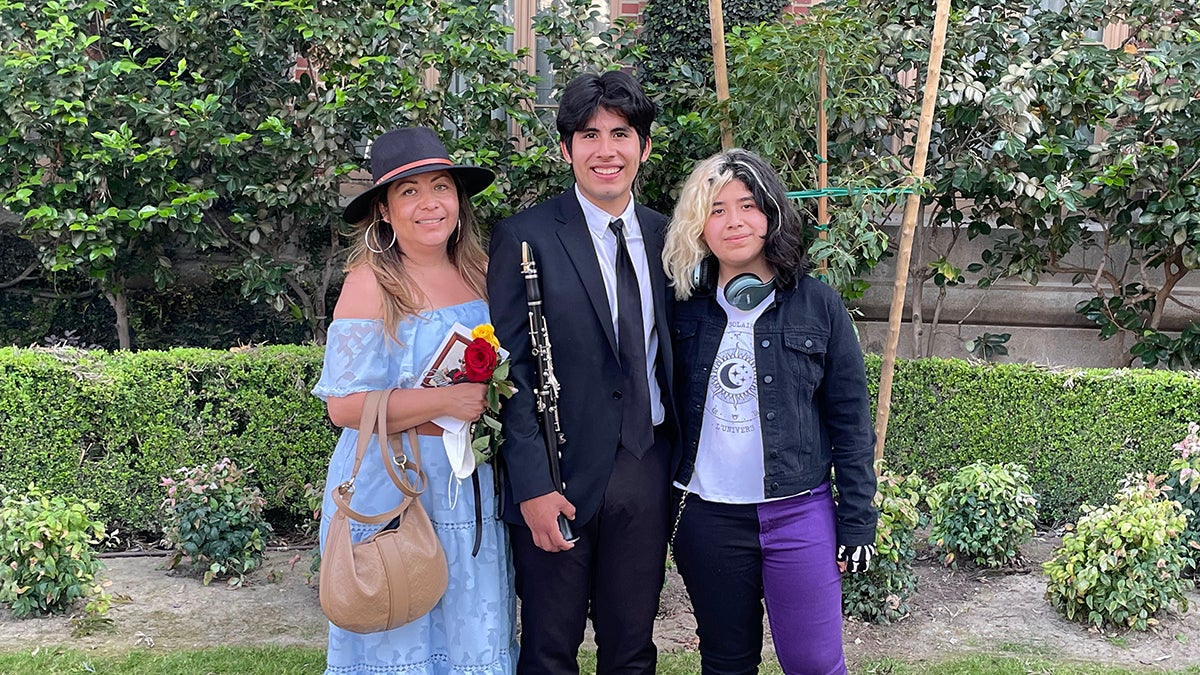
(472, 631)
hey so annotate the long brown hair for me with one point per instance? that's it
(402, 297)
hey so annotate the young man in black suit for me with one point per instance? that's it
(606, 306)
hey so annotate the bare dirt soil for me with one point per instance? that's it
(953, 612)
(965, 611)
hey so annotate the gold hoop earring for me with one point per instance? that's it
(458, 231)
(367, 239)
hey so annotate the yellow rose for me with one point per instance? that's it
(487, 332)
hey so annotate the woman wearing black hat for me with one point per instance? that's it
(417, 267)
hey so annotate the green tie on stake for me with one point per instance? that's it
(823, 227)
(845, 192)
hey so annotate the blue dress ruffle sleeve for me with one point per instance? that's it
(360, 358)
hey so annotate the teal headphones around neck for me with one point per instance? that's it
(745, 291)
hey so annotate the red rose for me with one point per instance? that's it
(479, 361)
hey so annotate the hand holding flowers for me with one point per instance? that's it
(483, 364)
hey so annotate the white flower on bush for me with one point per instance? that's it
(1189, 457)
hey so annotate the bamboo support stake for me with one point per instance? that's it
(937, 48)
(716, 20)
(822, 159)
(523, 38)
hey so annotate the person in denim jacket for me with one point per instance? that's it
(773, 397)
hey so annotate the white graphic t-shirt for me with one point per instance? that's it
(729, 459)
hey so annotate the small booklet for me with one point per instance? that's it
(447, 358)
(443, 366)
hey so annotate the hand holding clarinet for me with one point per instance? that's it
(548, 515)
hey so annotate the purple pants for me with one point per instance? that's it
(734, 556)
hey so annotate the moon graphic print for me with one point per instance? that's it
(732, 387)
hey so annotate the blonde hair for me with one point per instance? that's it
(401, 296)
(684, 248)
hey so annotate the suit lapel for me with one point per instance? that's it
(577, 241)
(653, 241)
(652, 237)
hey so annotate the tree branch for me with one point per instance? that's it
(1173, 271)
(234, 241)
(978, 303)
(1189, 171)
(52, 295)
(26, 274)
(1184, 304)
(1112, 280)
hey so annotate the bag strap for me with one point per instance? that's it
(388, 444)
(374, 416)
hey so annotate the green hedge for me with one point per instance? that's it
(1079, 432)
(108, 426)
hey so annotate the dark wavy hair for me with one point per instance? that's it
(615, 91)
(785, 248)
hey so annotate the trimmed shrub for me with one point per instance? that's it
(982, 514)
(1123, 562)
(1077, 432)
(107, 426)
(881, 594)
(46, 560)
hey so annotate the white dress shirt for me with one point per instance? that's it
(605, 243)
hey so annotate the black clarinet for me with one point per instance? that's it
(546, 393)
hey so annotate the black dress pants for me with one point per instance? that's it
(614, 574)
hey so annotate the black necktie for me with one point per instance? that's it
(637, 431)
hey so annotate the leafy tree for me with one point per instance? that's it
(144, 143)
(675, 67)
(142, 138)
(1075, 158)
(773, 108)
(92, 134)
(679, 33)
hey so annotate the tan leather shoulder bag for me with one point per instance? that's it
(397, 574)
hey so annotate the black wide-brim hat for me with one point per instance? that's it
(401, 153)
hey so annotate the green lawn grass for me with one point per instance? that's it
(305, 661)
(214, 661)
(991, 664)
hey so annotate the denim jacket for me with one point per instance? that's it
(812, 397)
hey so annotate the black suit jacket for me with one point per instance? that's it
(584, 349)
